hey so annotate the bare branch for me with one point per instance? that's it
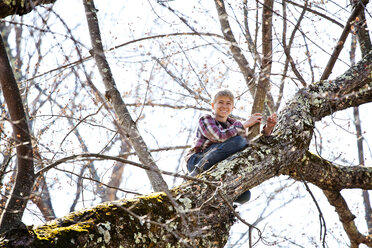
(347, 219)
(238, 55)
(287, 48)
(340, 44)
(87, 58)
(307, 8)
(83, 156)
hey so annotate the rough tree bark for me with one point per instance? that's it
(153, 220)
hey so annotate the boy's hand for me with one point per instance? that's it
(254, 119)
(270, 124)
(272, 120)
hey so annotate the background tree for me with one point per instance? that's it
(166, 66)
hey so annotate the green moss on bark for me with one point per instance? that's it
(140, 222)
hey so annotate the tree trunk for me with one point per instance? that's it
(15, 206)
(113, 95)
(264, 78)
(365, 46)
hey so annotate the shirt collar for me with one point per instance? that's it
(229, 119)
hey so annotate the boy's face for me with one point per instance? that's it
(222, 107)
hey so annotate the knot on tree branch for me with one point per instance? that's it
(110, 93)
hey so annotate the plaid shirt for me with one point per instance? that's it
(210, 131)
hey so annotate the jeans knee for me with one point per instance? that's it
(240, 142)
(193, 160)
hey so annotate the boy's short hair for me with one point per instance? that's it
(223, 92)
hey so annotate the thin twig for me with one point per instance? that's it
(126, 161)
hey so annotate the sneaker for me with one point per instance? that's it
(243, 198)
(195, 172)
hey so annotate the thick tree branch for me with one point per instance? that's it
(351, 89)
(333, 177)
(363, 34)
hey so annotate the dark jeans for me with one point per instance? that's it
(217, 152)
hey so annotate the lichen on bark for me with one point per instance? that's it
(111, 224)
(20, 7)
